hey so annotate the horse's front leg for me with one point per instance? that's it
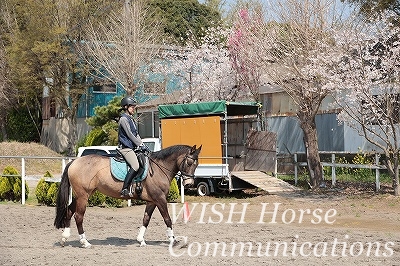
(150, 206)
(163, 208)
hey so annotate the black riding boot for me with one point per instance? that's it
(128, 180)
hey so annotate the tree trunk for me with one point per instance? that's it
(395, 176)
(3, 130)
(72, 134)
(396, 182)
(392, 166)
(314, 165)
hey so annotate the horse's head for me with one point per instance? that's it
(188, 165)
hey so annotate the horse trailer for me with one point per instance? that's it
(231, 140)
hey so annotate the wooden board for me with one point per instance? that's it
(265, 182)
(261, 151)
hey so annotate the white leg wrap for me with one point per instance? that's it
(170, 235)
(84, 242)
(140, 237)
(65, 235)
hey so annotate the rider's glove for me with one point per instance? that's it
(144, 148)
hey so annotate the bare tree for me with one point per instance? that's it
(293, 44)
(118, 47)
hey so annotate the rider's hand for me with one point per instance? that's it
(144, 148)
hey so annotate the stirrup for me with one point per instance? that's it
(125, 192)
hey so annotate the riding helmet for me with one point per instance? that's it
(128, 100)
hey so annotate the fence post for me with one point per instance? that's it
(23, 181)
(377, 173)
(333, 170)
(295, 169)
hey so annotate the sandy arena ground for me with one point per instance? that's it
(337, 230)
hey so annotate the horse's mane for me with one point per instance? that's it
(164, 153)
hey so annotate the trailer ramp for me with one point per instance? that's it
(265, 182)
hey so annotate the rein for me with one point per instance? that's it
(180, 173)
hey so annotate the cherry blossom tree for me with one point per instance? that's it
(245, 51)
(203, 67)
(369, 89)
(292, 47)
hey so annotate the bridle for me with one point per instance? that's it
(181, 174)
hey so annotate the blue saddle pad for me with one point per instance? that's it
(119, 169)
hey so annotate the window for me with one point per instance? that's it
(105, 88)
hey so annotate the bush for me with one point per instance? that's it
(95, 137)
(11, 185)
(51, 198)
(96, 199)
(362, 174)
(46, 192)
(173, 193)
(113, 202)
(20, 126)
(5, 189)
(41, 191)
(17, 189)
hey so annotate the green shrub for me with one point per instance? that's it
(51, 198)
(96, 137)
(113, 202)
(96, 199)
(17, 189)
(6, 190)
(20, 126)
(173, 193)
(362, 174)
(11, 185)
(137, 202)
(47, 174)
(342, 170)
(41, 191)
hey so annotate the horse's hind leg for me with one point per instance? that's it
(150, 206)
(67, 230)
(80, 212)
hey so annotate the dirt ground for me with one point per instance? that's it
(295, 229)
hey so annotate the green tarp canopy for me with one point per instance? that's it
(207, 108)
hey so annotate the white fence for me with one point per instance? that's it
(23, 159)
(64, 161)
(376, 166)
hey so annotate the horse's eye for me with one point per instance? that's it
(189, 161)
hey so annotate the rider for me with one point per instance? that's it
(129, 140)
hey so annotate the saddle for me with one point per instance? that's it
(119, 167)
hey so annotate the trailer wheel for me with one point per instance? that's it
(203, 189)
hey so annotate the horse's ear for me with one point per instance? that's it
(193, 149)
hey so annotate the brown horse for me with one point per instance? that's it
(89, 173)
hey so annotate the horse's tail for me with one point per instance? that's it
(62, 199)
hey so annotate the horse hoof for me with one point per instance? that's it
(174, 243)
(62, 242)
(85, 243)
(143, 244)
